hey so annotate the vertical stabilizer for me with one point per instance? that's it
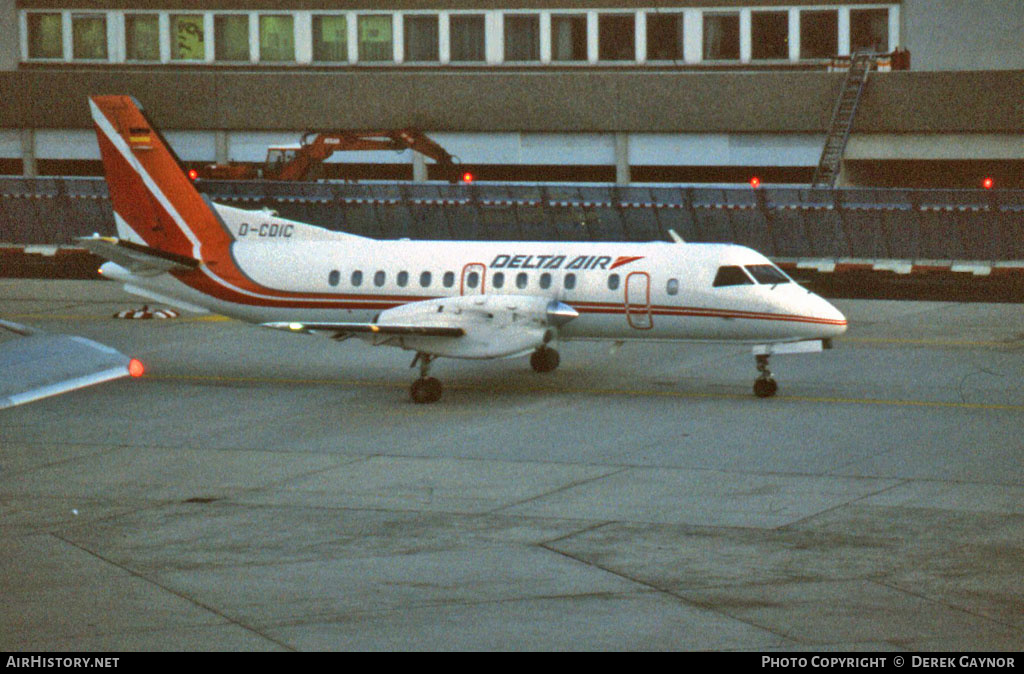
(154, 201)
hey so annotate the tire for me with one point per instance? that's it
(765, 388)
(425, 390)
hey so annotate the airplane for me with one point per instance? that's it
(35, 364)
(454, 299)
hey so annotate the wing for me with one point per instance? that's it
(340, 330)
(472, 326)
(139, 259)
(36, 364)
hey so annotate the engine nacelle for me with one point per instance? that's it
(496, 326)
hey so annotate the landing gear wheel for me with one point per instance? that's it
(544, 360)
(765, 388)
(425, 390)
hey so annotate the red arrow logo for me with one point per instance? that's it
(625, 260)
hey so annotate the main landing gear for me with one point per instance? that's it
(544, 359)
(764, 386)
(425, 389)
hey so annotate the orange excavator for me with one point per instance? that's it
(305, 160)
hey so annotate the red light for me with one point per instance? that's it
(193, 174)
(755, 182)
(467, 177)
(135, 368)
(988, 183)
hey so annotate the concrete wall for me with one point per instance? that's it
(964, 34)
(9, 47)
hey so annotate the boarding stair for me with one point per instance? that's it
(843, 114)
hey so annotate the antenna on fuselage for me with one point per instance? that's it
(675, 236)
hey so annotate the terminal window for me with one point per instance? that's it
(421, 38)
(466, 35)
(187, 43)
(569, 37)
(89, 36)
(522, 37)
(231, 37)
(616, 37)
(665, 37)
(277, 38)
(375, 38)
(721, 37)
(819, 34)
(770, 35)
(45, 39)
(142, 37)
(330, 38)
(869, 29)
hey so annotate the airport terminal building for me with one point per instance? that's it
(647, 91)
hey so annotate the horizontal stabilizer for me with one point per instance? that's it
(37, 364)
(137, 258)
(371, 328)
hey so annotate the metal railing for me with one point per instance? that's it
(783, 222)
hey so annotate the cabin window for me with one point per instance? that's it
(731, 276)
(448, 280)
(613, 282)
(498, 280)
(334, 277)
(357, 278)
(672, 287)
(545, 281)
(425, 279)
(569, 282)
(472, 279)
(521, 280)
(402, 279)
(379, 278)
(767, 274)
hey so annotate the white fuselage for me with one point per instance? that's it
(293, 272)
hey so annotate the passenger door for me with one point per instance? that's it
(638, 301)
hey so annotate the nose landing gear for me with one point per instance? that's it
(764, 386)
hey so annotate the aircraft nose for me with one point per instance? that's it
(832, 321)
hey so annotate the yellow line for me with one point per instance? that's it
(603, 392)
(65, 317)
(1017, 343)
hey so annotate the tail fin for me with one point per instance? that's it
(154, 202)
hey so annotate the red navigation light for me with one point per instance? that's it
(193, 174)
(988, 183)
(755, 182)
(467, 177)
(135, 368)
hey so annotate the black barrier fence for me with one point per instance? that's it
(783, 222)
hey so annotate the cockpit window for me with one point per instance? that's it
(768, 274)
(731, 276)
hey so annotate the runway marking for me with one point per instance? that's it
(934, 404)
